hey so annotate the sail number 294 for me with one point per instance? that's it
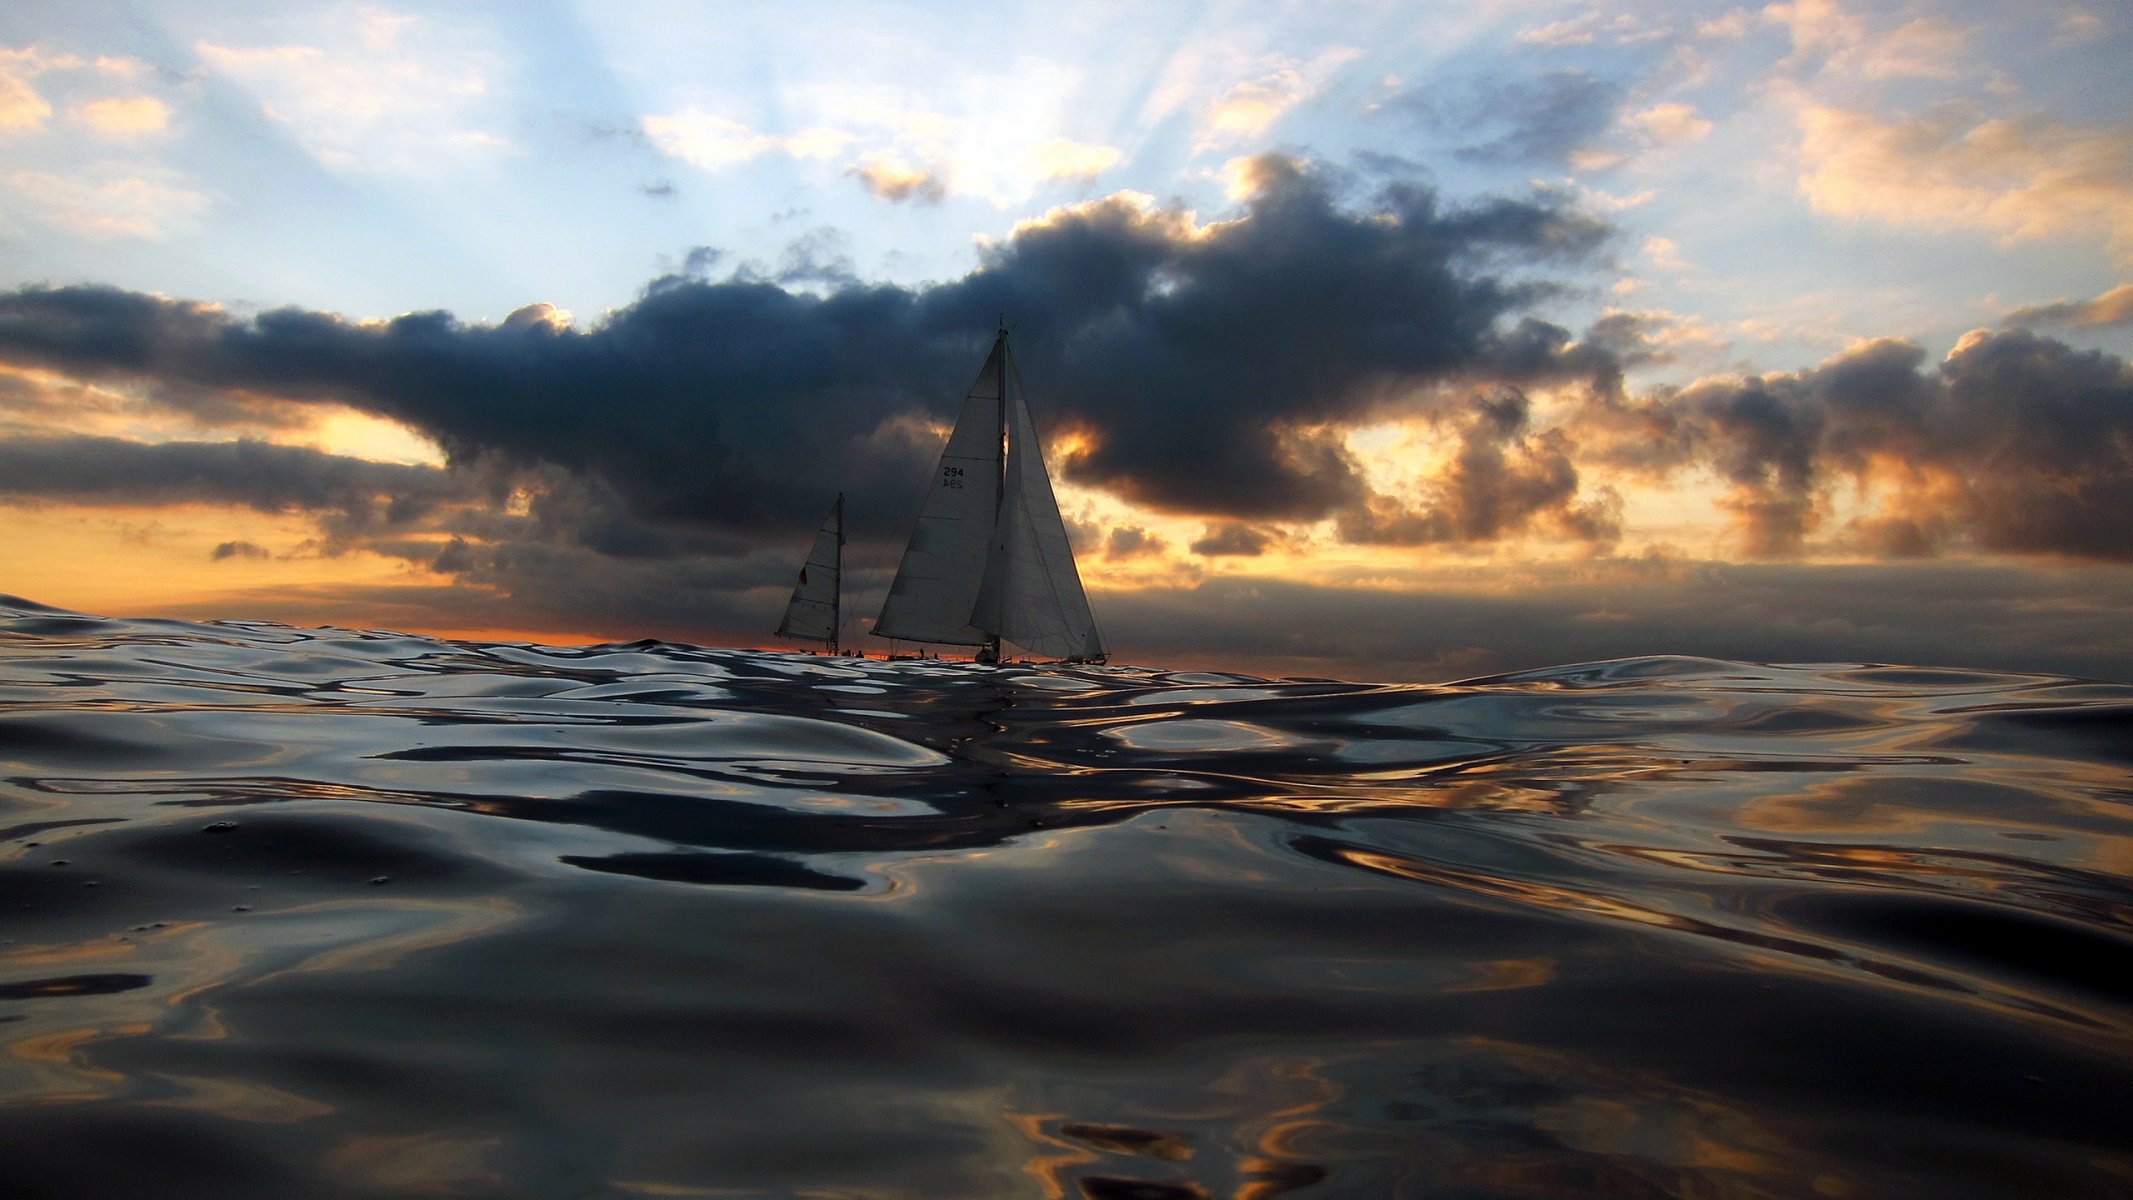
(951, 477)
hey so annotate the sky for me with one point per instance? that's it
(1390, 341)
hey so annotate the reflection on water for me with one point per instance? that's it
(329, 913)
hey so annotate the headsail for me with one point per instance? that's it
(1032, 594)
(989, 559)
(813, 613)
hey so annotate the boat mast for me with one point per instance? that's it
(999, 495)
(837, 593)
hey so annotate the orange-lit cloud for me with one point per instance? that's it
(22, 109)
(891, 178)
(1063, 158)
(2014, 178)
(2114, 307)
(125, 116)
(1668, 124)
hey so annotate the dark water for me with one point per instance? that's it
(304, 913)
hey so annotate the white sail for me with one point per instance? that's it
(937, 582)
(1032, 593)
(812, 613)
(989, 560)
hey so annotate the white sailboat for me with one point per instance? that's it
(989, 560)
(815, 612)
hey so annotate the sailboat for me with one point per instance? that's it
(815, 612)
(988, 562)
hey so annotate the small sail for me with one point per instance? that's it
(1032, 594)
(936, 585)
(811, 614)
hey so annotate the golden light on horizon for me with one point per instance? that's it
(149, 558)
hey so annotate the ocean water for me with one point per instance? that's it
(321, 913)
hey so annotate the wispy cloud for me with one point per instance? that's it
(147, 205)
(378, 91)
(712, 142)
(2114, 307)
(125, 116)
(904, 153)
(22, 108)
(1668, 124)
(1829, 40)
(1235, 95)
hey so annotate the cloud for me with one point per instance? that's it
(713, 143)
(1236, 98)
(2014, 444)
(2015, 178)
(125, 116)
(1727, 27)
(1588, 27)
(1064, 158)
(1665, 254)
(150, 205)
(239, 549)
(1919, 48)
(1567, 118)
(892, 179)
(897, 155)
(1503, 481)
(351, 498)
(2114, 307)
(1207, 371)
(22, 109)
(380, 92)
(1664, 125)
(1571, 31)
(1232, 541)
(1550, 119)
(1261, 336)
(1132, 541)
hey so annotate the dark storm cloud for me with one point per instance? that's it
(1198, 361)
(1205, 368)
(257, 475)
(2015, 443)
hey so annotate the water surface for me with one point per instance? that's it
(326, 913)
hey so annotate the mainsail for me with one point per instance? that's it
(813, 613)
(989, 558)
